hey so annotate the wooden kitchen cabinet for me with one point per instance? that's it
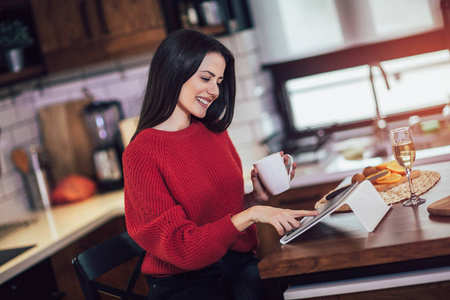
(79, 32)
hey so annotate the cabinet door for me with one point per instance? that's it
(121, 17)
(130, 26)
(73, 33)
(69, 33)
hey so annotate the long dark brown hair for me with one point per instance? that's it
(176, 60)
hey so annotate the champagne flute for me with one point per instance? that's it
(405, 154)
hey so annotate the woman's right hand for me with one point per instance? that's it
(284, 220)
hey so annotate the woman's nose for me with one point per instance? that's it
(213, 89)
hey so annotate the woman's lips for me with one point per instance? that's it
(204, 101)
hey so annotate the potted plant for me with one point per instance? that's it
(14, 37)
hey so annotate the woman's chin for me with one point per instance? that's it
(200, 114)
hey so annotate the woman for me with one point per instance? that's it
(184, 191)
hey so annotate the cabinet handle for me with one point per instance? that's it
(101, 16)
(85, 20)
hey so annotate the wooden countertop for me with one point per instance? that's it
(53, 229)
(340, 241)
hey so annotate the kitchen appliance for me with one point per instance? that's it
(102, 119)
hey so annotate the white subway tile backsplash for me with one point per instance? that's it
(2, 192)
(249, 154)
(5, 100)
(132, 107)
(240, 134)
(4, 152)
(247, 111)
(251, 84)
(23, 99)
(133, 88)
(268, 102)
(245, 41)
(269, 124)
(266, 80)
(254, 61)
(247, 65)
(139, 72)
(25, 112)
(7, 140)
(13, 183)
(97, 91)
(47, 97)
(243, 67)
(7, 116)
(76, 95)
(103, 80)
(23, 135)
(35, 132)
(241, 91)
(67, 88)
(230, 43)
(13, 206)
(36, 96)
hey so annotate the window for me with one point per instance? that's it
(416, 82)
(346, 95)
(330, 98)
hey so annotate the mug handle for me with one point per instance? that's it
(289, 164)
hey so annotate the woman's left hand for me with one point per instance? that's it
(260, 194)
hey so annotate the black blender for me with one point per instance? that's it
(102, 119)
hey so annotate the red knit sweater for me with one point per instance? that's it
(181, 189)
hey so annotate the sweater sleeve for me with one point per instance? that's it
(160, 225)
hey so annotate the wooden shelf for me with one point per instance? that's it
(234, 12)
(28, 72)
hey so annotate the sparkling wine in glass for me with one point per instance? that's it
(405, 154)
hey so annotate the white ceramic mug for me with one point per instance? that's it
(274, 174)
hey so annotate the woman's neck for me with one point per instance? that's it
(175, 122)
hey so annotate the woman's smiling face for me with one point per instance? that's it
(198, 93)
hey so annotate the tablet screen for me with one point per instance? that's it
(324, 210)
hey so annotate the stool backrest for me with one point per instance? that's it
(104, 257)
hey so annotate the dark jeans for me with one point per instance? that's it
(234, 276)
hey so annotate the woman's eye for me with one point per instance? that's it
(205, 79)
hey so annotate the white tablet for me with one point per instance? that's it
(324, 210)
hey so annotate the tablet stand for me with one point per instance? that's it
(367, 205)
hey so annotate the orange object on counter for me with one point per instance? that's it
(73, 188)
(384, 165)
(396, 168)
(393, 178)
